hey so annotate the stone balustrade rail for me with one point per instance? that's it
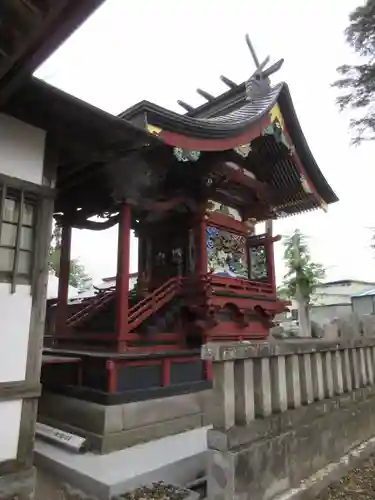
(254, 380)
(282, 411)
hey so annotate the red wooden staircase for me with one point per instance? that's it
(137, 313)
(151, 304)
(88, 311)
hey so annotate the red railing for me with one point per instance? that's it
(237, 285)
(157, 299)
(94, 306)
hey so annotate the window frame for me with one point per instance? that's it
(22, 197)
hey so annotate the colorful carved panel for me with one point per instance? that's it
(226, 253)
(215, 206)
(258, 263)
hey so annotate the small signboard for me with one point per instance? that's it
(66, 439)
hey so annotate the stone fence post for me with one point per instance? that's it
(280, 410)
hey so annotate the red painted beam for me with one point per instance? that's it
(122, 278)
(64, 273)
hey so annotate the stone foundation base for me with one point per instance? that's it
(274, 454)
(111, 428)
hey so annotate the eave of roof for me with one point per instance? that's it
(47, 29)
(219, 127)
(230, 115)
(72, 121)
(346, 282)
(368, 293)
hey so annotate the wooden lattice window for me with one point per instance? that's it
(258, 258)
(17, 235)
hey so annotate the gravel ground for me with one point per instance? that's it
(359, 484)
(158, 491)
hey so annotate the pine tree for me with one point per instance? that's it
(301, 278)
(358, 81)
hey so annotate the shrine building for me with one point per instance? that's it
(195, 188)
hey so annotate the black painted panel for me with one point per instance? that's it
(60, 374)
(130, 378)
(187, 372)
(95, 374)
(116, 398)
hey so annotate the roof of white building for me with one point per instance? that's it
(364, 294)
(345, 282)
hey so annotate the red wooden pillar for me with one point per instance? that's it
(122, 278)
(64, 273)
(271, 256)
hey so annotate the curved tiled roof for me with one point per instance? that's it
(218, 127)
(235, 119)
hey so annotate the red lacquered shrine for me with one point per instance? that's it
(193, 195)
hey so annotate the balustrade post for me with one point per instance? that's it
(347, 373)
(369, 366)
(306, 379)
(244, 391)
(353, 354)
(293, 384)
(223, 414)
(262, 386)
(362, 367)
(317, 376)
(338, 383)
(278, 384)
(328, 375)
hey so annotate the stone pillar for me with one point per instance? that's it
(244, 391)
(369, 365)
(347, 373)
(306, 379)
(338, 384)
(293, 385)
(278, 384)
(362, 367)
(317, 376)
(353, 355)
(262, 379)
(223, 399)
(328, 375)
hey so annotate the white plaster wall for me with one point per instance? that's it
(10, 418)
(15, 312)
(21, 149)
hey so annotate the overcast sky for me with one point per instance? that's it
(162, 51)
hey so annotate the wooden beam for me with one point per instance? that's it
(238, 176)
(184, 105)
(229, 83)
(206, 95)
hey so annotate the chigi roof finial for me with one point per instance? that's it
(259, 82)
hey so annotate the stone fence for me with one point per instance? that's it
(282, 411)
